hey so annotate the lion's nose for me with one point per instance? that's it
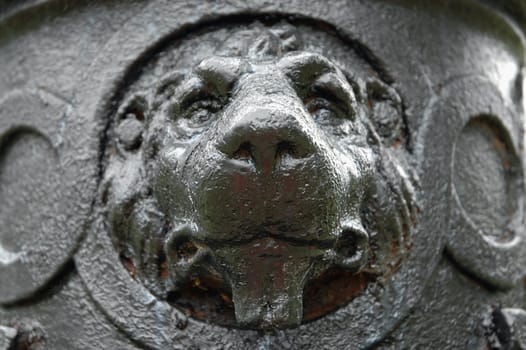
(268, 139)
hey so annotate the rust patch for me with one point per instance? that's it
(186, 250)
(163, 270)
(394, 248)
(129, 264)
(502, 150)
(205, 298)
(208, 298)
(332, 290)
(501, 146)
(397, 143)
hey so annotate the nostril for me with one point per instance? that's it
(286, 148)
(244, 152)
(352, 246)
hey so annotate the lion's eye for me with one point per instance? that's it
(201, 112)
(324, 109)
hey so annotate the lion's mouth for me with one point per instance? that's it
(266, 274)
(267, 278)
(291, 238)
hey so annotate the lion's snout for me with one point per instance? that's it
(268, 140)
(270, 178)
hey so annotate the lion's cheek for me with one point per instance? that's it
(170, 188)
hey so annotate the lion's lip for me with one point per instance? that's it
(287, 238)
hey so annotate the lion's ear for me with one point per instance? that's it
(386, 111)
(130, 119)
(470, 149)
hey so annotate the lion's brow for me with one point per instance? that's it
(219, 72)
(305, 66)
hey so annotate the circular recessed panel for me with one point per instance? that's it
(148, 132)
(46, 186)
(485, 173)
(476, 138)
(28, 175)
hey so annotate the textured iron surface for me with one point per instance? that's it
(269, 175)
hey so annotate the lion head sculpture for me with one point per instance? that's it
(241, 185)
